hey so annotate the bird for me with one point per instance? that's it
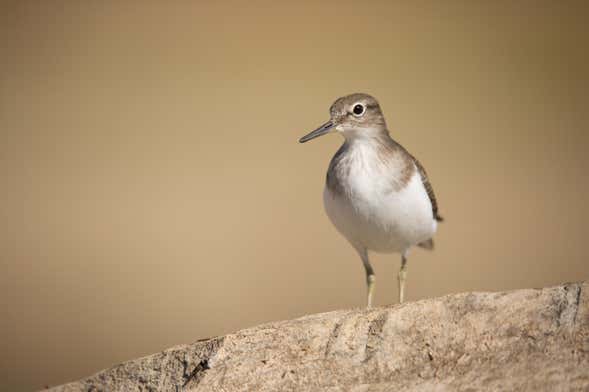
(376, 194)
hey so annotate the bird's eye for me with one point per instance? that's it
(358, 109)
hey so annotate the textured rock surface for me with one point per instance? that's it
(520, 340)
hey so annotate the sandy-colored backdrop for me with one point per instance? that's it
(153, 191)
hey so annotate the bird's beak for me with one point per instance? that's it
(322, 130)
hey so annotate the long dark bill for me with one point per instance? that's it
(322, 130)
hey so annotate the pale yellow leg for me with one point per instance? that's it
(370, 277)
(402, 277)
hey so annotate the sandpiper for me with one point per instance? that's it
(376, 193)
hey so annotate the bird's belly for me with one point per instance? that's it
(384, 221)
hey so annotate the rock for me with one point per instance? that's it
(535, 339)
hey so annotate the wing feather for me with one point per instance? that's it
(429, 189)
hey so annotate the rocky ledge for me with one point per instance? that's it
(535, 339)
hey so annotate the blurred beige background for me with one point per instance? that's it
(153, 191)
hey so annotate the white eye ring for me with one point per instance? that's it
(358, 109)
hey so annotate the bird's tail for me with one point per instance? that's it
(428, 244)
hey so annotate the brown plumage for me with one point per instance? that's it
(427, 185)
(429, 244)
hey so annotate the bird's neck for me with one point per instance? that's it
(376, 138)
(378, 151)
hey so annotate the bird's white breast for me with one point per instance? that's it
(375, 212)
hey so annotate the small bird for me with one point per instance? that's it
(376, 194)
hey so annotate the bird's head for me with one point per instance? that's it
(354, 116)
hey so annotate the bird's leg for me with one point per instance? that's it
(402, 277)
(370, 277)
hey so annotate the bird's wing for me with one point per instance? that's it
(426, 184)
(429, 189)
